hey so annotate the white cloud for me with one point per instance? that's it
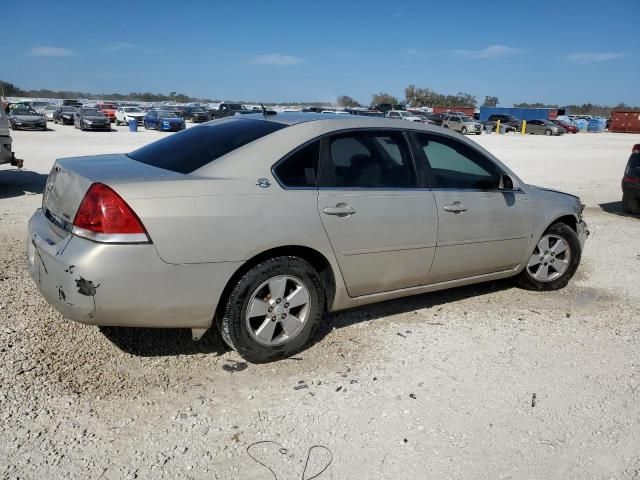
(591, 57)
(492, 51)
(47, 51)
(116, 47)
(276, 59)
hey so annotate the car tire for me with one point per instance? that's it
(630, 204)
(463, 130)
(445, 126)
(240, 331)
(548, 132)
(531, 280)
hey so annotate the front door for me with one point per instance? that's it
(382, 226)
(482, 229)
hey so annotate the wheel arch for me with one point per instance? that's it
(317, 260)
(569, 219)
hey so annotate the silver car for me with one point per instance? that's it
(543, 127)
(258, 224)
(463, 124)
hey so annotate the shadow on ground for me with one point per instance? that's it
(15, 183)
(157, 342)
(152, 342)
(615, 208)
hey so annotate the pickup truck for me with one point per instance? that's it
(228, 110)
(6, 155)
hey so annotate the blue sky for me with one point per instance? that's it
(551, 51)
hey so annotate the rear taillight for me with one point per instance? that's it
(636, 148)
(103, 216)
(630, 179)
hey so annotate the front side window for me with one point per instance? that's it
(300, 169)
(456, 165)
(368, 160)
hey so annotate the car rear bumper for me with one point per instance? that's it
(119, 284)
(632, 189)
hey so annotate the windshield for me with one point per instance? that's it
(166, 114)
(92, 113)
(132, 109)
(195, 147)
(23, 111)
(467, 119)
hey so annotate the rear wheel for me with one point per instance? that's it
(273, 310)
(554, 260)
(630, 204)
(548, 132)
(463, 131)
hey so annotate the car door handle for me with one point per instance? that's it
(455, 207)
(341, 210)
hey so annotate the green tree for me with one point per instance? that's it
(490, 101)
(383, 98)
(346, 101)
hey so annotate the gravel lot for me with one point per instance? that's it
(433, 386)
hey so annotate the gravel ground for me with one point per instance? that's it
(487, 381)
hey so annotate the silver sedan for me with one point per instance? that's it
(258, 224)
(544, 127)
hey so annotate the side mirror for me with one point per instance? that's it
(506, 183)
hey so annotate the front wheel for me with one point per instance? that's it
(273, 310)
(554, 260)
(463, 131)
(548, 132)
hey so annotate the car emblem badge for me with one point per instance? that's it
(263, 183)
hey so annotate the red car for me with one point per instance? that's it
(567, 126)
(109, 109)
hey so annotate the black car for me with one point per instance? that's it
(91, 119)
(64, 115)
(511, 122)
(229, 110)
(631, 183)
(198, 115)
(437, 118)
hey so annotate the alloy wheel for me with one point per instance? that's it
(550, 259)
(277, 310)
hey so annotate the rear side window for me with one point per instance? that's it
(300, 169)
(195, 147)
(369, 160)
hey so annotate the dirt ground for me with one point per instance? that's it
(482, 382)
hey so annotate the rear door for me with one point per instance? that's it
(381, 222)
(482, 229)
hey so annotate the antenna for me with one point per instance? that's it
(264, 110)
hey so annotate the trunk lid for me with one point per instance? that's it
(70, 178)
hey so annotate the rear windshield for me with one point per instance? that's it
(195, 147)
(634, 164)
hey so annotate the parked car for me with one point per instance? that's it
(91, 119)
(71, 103)
(436, 118)
(124, 114)
(462, 124)
(568, 127)
(631, 183)
(163, 120)
(228, 109)
(544, 127)
(199, 225)
(26, 119)
(37, 106)
(6, 153)
(199, 115)
(64, 115)
(109, 110)
(511, 122)
(404, 115)
(48, 112)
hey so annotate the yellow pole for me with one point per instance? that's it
(524, 127)
(498, 127)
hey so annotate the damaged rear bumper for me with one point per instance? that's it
(119, 284)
